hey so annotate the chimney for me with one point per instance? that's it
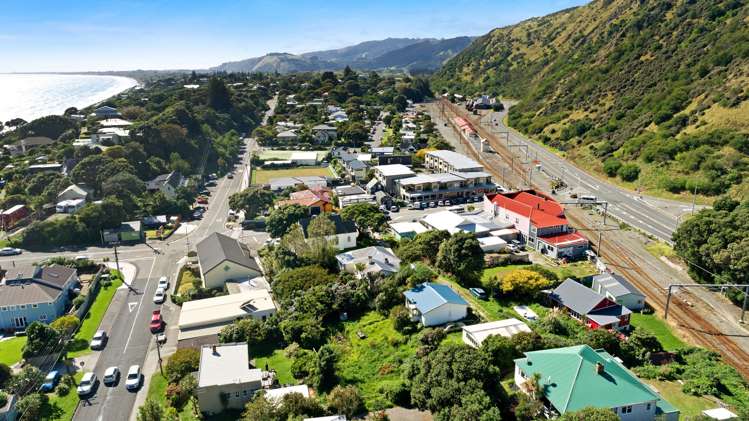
(387, 261)
(213, 347)
(599, 368)
(369, 259)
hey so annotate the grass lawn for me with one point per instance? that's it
(688, 405)
(276, 360)
(660, 249)
(61, 408)
(79, 345)
(575, 269)
(11, 349)
(373, 362)
(261, 176)
(271, 155)
(157, 392)
(186, 281)
(493, 308)
(659, 328)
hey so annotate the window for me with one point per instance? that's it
(34, 305)
(244, 393)
(647, 407)
(22, 307)
(236, 394)
(627, 409)
(43, 317)
(3, 308)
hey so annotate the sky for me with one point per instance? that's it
(87, 35)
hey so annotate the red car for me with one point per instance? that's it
(157, 323)
(202, 200)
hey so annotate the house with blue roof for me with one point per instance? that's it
(435, 304)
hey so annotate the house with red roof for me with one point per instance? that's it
(318, 200)
(540, 220)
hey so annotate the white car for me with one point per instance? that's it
(160, 296)
(163, 283)
(87, 384)
(99, 340)
(111, 375)
(10, 251)
(133, 378)
(82, 257)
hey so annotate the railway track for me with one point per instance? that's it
(688, 319)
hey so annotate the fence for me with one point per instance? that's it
(93, 291)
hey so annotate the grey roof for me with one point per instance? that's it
(323, 127)
(458, 161)
(217, 248)
(382, 259)
(37, 141)
(174, 179)
(357, 165)
(342, 226)
(349, 190)
(582, 300)
(616, 285)
(32, 284)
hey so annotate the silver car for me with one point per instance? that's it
(111, 375)
(160, 296)
(99, 340)
(87, 384)
(133, 378)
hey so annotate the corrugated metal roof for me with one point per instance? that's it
(216, 248)
(429, 296)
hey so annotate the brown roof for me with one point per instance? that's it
(37, 141)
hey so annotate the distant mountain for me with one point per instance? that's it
(400, 53)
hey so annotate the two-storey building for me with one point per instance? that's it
(444, 186)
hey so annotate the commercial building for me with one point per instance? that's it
(225, 379)
(403, 230)
(449, 161)
(222, 258)
(304, 158)
(474, 335)
(127, 232)
(387, 175)
(578, 377)
(457, 186)
(434, 304)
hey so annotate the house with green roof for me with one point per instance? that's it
(576, 377)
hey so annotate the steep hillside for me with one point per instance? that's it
(652, 88)
(424, 55)
(363, 51)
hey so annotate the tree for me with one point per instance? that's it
(250, 330)
(219, 97)
(637, 349)
(346, 400)
(400, 103)
(528, 408)
(590, 414)
(629, 171)
(474, 405)
(66, 325)
(297, 405)
(260, 409)
(183, 362)
(151, 411)
(611, 166)
(283, 218)
(461, 255)
(326, 359)
(252, 201)
(354, 133)
(27, 381)
(30, 406)
(422, 247)
(366, 216)
(88, 171)
(500, 351)
(521, 282)
(299, 280)
(5, 375)
(401, 318)
(40, 340)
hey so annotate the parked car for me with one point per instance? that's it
(394, 208)
(432, 205)
(10, 251)
(230, 176)
(81, 258)
(87, 384)
(202, 200)
(163, 283)
(478, 293)
(99, 341)
(133, 378)
(50, 381)
(447, 203)
(111, 376)
(157, 322)
(159, 296)
(211, 183)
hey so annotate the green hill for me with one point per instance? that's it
(663, 85)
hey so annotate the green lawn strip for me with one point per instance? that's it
(574, 269)
(494, 309)
(688, 405)
(79, 345)
(374, 362)
(11, 350)
(61, 407)
(276, 359)
(186, 281)
(659, 328)
(262, 176)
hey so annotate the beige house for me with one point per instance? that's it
(225, 371)
(222, 258)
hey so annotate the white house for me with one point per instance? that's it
(222, 258)
(345, 231)
(166, 183)
(474, 335)
(617, 289)
(369, 261)
(225, 371)
(434, 304)
(72, 192)
(70, 205)
(304, 157)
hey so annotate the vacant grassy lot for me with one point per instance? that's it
(11, 349)
(659, 249)
(689, 405)
(659, 328)
(282, 155)
(61, 408)
(374, 362)
(79, 345)
(574, 269)
(261, 176)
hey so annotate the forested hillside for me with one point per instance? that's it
(658, 86)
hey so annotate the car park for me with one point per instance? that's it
(478, 293)
(87, 384)
(10, 251)
(157, 322)
(133, 380)
(163, 283)
(99, 341)
(159, 296)
(50, 381)
(111, 376)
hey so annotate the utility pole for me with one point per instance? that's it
(116, 256)
(694, 198)
(158, 351)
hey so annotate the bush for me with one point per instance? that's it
(346, 400)
(401, 318)
(611, 166)
(398, 393)
(78, 301)
(106, 283)
(629, 172)
(3, 398)
(183, 362)
(63, 389)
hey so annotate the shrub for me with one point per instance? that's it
(62, 389)
(401, 318)
(611, 166)
(3, 398)
(629, 172)
(78, 301)
(346, 400)
(522, 282)
(184, 361)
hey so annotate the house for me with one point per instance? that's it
(617, 289)
(403, 230)
(10, 217)
(9, 412)
(115, 122)
(72, 192)
(127, 232)
(200, 321)
(338, 116)
(25, 145)
(434, 304)
(373, 186)
(348, 190)
(345, 231)
(70, 205)
(382, 151)
(540, 221)
(589, 307)
(287, 136)
(387, 175)
(225, 379)
(449, 161)
(222, 258)
(34, 293)
(394, 159)
(105, 112)
(454, 223)
(356, 169)
(369, 261)
(304, 158)
(311, 181)
(317, 200)
(166, 183)
(455, 186)
(348, 195)
(577, 377)
(276, 395)
(474, 335)
(324, 133)
(110, 136)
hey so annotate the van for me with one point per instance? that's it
(588, 198)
